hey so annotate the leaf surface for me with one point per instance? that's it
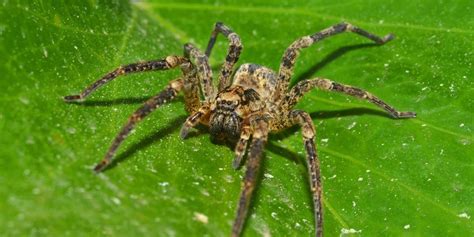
(381, 176)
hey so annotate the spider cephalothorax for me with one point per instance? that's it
(243, 110)
(236, 103)
(231, 106)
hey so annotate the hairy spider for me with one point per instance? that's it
(257, 101)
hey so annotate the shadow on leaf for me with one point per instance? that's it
(331, 57)
(120, 101)
(328, 114)
(149, 140)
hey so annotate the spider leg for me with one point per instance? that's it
(259, 138)
(304, 120)
(150, 105)
(191, 90)
(233, 53)
(203, 68)
(194, 119)
(304, 86)
(205, 73)
(241, 146)
(289, 57)
(162, 64)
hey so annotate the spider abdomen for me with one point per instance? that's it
(262, 79)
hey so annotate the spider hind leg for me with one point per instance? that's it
(314, 170)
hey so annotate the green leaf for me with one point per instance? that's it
(381, 176)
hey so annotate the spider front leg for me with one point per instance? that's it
(259, 139)
(241, 146)
(304, 120)
(150, 105)
(194, 119)
(304, 86)
(192, 100)
(233, 53)
(203, 69)
(162, 64)
(292, 52)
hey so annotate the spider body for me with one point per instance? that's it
(245, 108)
(251, 93)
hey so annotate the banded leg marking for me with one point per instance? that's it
(289, 57)
(203, 69)
(241, 146)
(233, 52)
(314, 170)
(259, 139)
(193, 120)
(304, 86)
(150, 105)
(162, 64)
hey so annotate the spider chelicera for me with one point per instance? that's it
(243, 109)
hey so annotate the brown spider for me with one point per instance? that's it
(257, 101)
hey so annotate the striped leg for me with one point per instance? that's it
(304, 120)
(194, 119)
(203, 69)
(162, 64)
(304, 86)
(163, 97)
(233, 53)
(191, 91)
(289, 57)
(259, 138)
(241, 146)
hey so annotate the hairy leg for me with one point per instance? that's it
(304, 86)
(289, 57)
(259, 138)
(304, 120)
(233, 53)
(194, 119)
(192, 99)
(163, 97)
(162, 64)
(241, 146)
(203, 69)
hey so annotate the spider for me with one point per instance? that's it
(244, 108)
